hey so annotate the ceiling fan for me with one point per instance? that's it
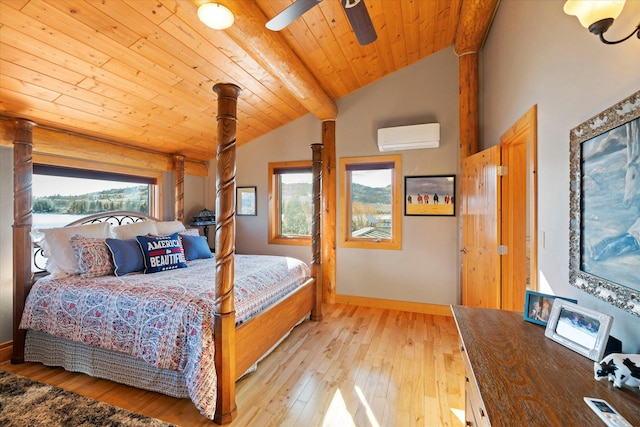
(356, 11)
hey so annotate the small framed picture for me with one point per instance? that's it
(430, 195)
(246, 201)
(582, 330)
(537, 307)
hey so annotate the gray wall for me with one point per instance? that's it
(555, 63)
(287, 143)
(426, 269)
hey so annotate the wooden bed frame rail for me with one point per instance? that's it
(237, 349)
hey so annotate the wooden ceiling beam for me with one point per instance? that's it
(473, 25)
(52, 142)
(272, 52)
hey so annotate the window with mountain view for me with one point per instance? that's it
(62, 195)
(370, 202)
(290, 203)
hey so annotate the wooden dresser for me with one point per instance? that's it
(515, 376)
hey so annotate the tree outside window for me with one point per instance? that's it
(61, 195)
(290, 207)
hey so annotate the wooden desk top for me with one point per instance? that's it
(526, 379)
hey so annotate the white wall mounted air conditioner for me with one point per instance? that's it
(409, 137)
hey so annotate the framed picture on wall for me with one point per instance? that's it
(246, 201)
(604, 236)
(430, 195)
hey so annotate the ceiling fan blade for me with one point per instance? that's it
(290, 14)
(360, 21)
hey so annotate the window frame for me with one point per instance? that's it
(274, 204)
(346, 239)
(85, 168)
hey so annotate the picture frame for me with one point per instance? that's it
(580, 329)
(604, 200)
(430, 195)
(537, 306)
(246, 201)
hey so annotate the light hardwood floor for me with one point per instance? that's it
(357, 367)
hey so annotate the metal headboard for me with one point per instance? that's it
(112, 217)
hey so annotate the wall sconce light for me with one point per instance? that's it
(598, 15)
(215, 15)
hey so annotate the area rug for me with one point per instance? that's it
(24, 402)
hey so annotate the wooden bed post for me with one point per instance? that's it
(225, 315)
(178, 170)
(316, 225)
(22, 216)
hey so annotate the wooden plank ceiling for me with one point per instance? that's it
(141, 72)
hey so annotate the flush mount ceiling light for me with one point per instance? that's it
(598, 15)
(215, 15)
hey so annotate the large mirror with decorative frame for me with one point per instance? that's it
(604, 258)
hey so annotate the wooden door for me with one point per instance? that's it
(513, 226)
(518, 229)
(499, 211)
(480, 217)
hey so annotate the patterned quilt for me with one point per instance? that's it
(163, 318)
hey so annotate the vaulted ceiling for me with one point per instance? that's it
(141, 72)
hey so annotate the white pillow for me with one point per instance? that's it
(130, 231)
(57, 247)
(191, 232)
(169, 227)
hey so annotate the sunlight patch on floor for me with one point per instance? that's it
(459, 414)
(370, 415)
(338, 415)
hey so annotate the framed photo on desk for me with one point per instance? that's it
(537, 307)
(583, 330)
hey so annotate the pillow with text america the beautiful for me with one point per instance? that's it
(161, 253)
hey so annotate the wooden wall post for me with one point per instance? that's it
(178, 170)
(469, 105)
(22, 221)
(316, 226)
(473, 27)
(225, 328)
(329, 211)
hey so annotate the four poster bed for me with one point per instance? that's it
(189, 331)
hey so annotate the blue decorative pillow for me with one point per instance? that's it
(161, 253)
(127, 257)
(195, 247)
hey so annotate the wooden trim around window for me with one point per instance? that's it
(274, 208)
(155, 209)
(346, 241)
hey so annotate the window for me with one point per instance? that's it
(370, 199)
(62, 195)
(290, 203)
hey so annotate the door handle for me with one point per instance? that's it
(463, 250)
